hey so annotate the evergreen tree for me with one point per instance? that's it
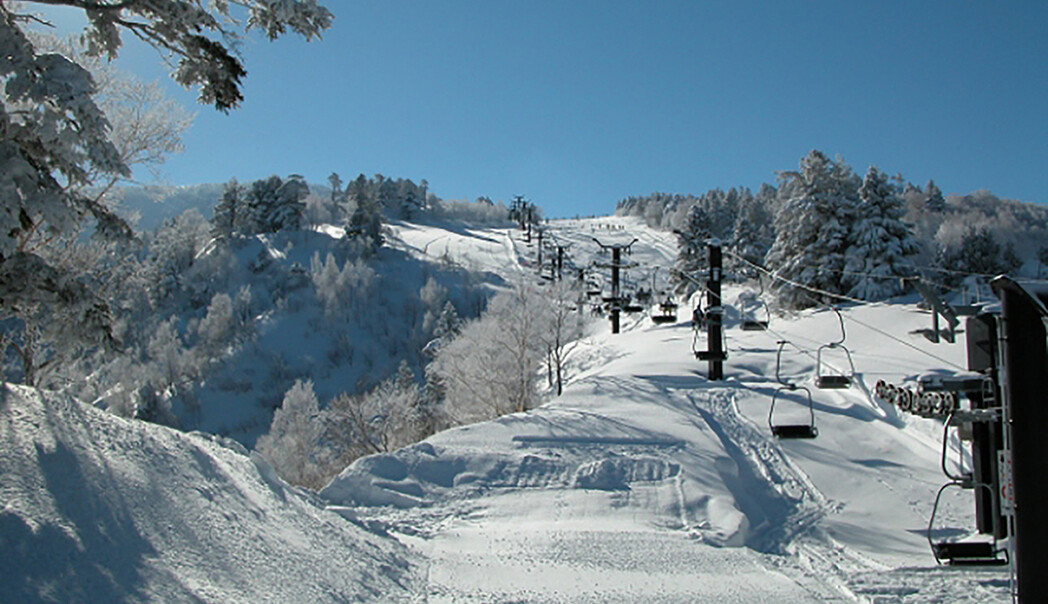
(229, 213)
(691, 255)
(274, 205)
(1042, 259)
(934, 201)
(448, 322)
(422, 419)
(336, 188)
(751, 235)
(979, 253)
(812, 227)
(57, 142)
(364, 227)
(1011, 262)
(882, 246)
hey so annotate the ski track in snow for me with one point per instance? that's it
(646, 483)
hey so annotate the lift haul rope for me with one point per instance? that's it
(850, 318)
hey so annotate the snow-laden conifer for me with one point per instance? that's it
(691, 258)
(812, 227)
(882, 247)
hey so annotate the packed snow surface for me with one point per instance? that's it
(646, 482)
(97, 508)
(643, 482)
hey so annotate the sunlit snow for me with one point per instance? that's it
(644, 482)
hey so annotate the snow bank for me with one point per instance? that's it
(102, 509)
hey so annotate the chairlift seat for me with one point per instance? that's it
(792, 430)
(633, 308)
(968, 553)
(663, 319)
(709, 355)
(751, 325)
(833, 382)
(795, 431)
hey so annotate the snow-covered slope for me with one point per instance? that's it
(647, 482)
(101, 509)
(374, 322)
(644, 482)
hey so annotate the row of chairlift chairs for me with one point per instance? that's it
(638, 300)
(954, 553)
(756, 316)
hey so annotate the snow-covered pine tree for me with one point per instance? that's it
(335, 182)
(691, 255)
(274, 204)
(230, 212)
(218, 328)
(421, 419)
(364, 226)
(882, 246)
(979, 253)
(812, 227)
(934, 201)
(290, 206)
(173, 250)
(752, 234)
(57, 141)
(260, 196)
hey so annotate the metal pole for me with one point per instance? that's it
(616, 258)
(1025, 365)
(716, 315)
(539, 261)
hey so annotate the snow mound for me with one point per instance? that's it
(103, 509)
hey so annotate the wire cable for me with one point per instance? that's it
(851, 318)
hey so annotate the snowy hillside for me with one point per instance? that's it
(646, 482)
(643, 482)
(315, 315)
(101, 509)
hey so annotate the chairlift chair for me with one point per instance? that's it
(750, 321)
(964, 553)
(707, 355)
(826, 378)
(667, 312)
(794, 430)
(630, 305)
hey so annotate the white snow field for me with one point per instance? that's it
(97, 508)
(644, 482)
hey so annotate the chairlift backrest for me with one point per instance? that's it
(834, 380)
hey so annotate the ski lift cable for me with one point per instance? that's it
(796, 284)
(850, 317)
(840, 297)
(886, 334)
(890, 276)
(908, 344)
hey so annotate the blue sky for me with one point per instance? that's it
(578, 104)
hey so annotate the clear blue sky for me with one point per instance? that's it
(577, 104)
